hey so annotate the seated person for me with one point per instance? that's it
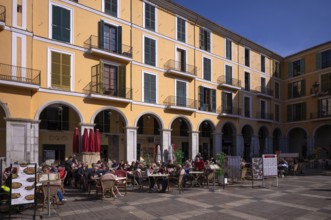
(47, 169)
(111, 176)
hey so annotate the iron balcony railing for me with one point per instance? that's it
(60, 81)
(93, 42)
(229, 81)
(264, 90)
(231, 110)
(19, 74)
(180, 102)
(320, 114)
(264, 116)
(101, 89)
(2, 13)
(181, 67)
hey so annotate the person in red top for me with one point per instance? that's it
(199, 164)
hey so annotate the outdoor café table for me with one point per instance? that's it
(159, 176)
(195, 177)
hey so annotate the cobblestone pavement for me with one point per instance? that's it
(297, 197)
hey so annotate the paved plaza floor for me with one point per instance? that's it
(306, 196)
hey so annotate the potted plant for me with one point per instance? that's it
(220, 159)
(179, 156)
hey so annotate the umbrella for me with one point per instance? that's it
(174, 151)
(157, 153)
(75, 141)
(91, 141)
(85, 141)
(97, 140)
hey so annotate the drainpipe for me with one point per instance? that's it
(131, 90)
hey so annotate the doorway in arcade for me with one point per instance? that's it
(206, 130)
(180, 136)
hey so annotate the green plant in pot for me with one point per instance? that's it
(147, 160)
(220, 158)
(179, 156)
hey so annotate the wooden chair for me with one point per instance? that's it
(122, 183)
(106, 186)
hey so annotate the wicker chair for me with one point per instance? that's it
(122, 183)
(107, 187)
(52, 194)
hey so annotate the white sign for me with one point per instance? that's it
(270, 165)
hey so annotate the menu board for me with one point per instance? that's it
(23, 183)
(270, 165)
(43, 177)
(257, 168)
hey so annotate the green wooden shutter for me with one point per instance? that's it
(119, 40)
(318, 61)
(95, 79)
(228, 75)
(302, 66)
(153, 53)
(202, 98)
(114, 8)
(56, 22)
(289, 113)
(65, 20)
(208, 41)
(290, 90)
(66, 67)
(290, 69)
(150, 50)
(152, 18)
(213, 100)
(207, 69)
(228, 50)
(223, 102)
(122, 81)
(202, 39)
(101, 37)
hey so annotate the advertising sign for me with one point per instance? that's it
(270, 165)
(257, 168)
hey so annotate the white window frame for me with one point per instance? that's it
(156, 49)
(118, 7)
(156, 20)
(156, 86)
(177, 80)
(50, 21)
(49, 66)
(211, 68)
(185, 28)
(24, 13)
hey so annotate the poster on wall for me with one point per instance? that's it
(257, 168)
(23, 183)
(270, 165)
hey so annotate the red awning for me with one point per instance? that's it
(85, 141)
(91, 141)
(75, 141)
(97, 140)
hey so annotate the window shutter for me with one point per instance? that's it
(303, 88)
(207, 69)
(302, 66)
(65, 20)
(153, 51)
(290, 70)
(119, 40)
(150, 57)
(56, 22)
(223, 102)
(228, 75)
(183, 61)
(202, 39)
(290, 90)
(213, 99)
(208, 41)
(152, 8)
(202, 98)
(96, 83)
(318, 61)
(122, 81)
(289, 113)
(228, 49)
(65, 71)
(113, 8)
(101, 37)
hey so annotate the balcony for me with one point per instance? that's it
(264, 92)
(229, 111)
(229, 83)
(180, 103)
(180, 69)
(19, 76)
(264, 117)
(320, 115)
(2, 17)
(121, 54)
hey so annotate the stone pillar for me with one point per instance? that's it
(239, 145)
(166, 142)
(22, 140)
(217, 143)
(254, 146)
(194, 144)
(89, 157)
(131, 143)
(310, 145)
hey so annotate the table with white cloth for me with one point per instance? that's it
(195, 175)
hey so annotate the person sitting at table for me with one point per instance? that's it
(46, 169)
(149, 171)
(111, 176)
(199, 164)
(187, 167)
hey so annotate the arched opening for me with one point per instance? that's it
(247, 133)
(57, 125)
(276, 140)
(3, 137)
(148, 136)
(298, 142)
(180, 135)
(229, 139)
(263, 134)
(206, 129)
(323, 141)
(111, 125)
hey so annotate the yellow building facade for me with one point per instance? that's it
(149, 73)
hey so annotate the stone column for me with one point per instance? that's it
(166, 142)
(217, 143)
(194, 143)
(239, 145)
(131, 143)
(22, 136)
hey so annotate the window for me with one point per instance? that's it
(19, 8)
(228, 75)
(277, 90)
(204, 39)
(110, 37)
(181, 30)
(110, 7)
(55, 117)
(323, 59)
(228, 48)
(207, 99)
(276, 112)
(247, 81)
(181, 60)
(247, 106)
(181, 96)
(324, 107)
(296, 89)
(227, 103)
(263, 108)
(150, 51)
(149, 88)
(277, 69)
(296, 112)
(60, 70)
(149, 17)
(247, 57)
(61, 24)
(263, 85)
(206, 69)
(326, 83)
(262, 63)
(296, 68)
